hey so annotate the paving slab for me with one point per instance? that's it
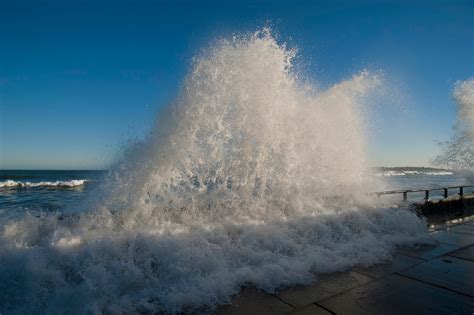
(453, 238)
(423, 280)
(310, 309)
(396, 294)
(448, 272)
(253, 301)
(464, 253)
(463, 228)
(399, 263)
(426, 252)
(326, 286)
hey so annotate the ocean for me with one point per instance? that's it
(43, 191)
(414, 178)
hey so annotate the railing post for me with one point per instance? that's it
(445, 195)
(405, 196)
(461, 191)
(427, 195)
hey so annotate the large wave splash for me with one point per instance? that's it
(458, 152)
(252, 177)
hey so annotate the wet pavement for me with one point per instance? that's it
(436, 279)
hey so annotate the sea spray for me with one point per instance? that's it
(250, 177)
(464, 96)
(458, 152)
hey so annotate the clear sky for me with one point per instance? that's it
(79, 78)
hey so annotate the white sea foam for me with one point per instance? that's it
(22, 184)
(391, 173)
(413, 173)
(440, 173)
(251, 177)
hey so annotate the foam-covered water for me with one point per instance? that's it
(58, 183)
(251, 177)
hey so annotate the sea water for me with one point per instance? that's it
(40, 191)
(46, 191)
(253, 176)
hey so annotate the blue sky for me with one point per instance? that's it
(80, 78)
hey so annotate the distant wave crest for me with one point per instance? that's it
(403, 173)
(58, 183)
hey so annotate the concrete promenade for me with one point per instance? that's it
(435, 279)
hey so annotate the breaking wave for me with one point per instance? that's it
(413, 173)
(61, 184)
(253, 176)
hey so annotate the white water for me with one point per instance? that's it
(21, 184)
(252, 177)
(403, 173)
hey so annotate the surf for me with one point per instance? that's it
(59, 183)
(253, 176)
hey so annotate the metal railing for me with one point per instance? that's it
(427, 191)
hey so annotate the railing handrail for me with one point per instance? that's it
(400, 191)
(425, 190)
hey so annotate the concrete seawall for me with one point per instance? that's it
(446, 209)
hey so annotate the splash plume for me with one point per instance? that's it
(251, 176)
(458, 152)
